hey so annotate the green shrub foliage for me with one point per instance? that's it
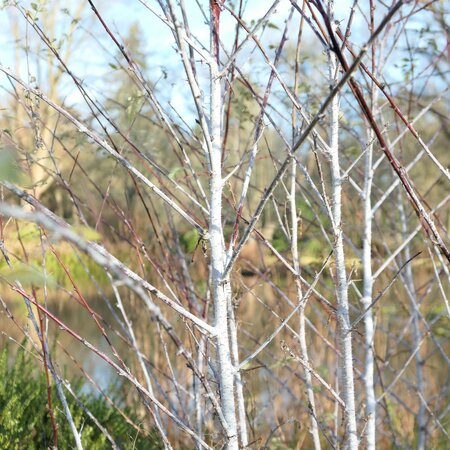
(25, 420)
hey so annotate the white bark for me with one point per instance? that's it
(300, 299)
(242, 422)
(220, 290)
(191, 404)
(408, 278)
(345, 335)
(369, 325)
(367, 300)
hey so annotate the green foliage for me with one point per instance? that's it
(25, 420)
(279, 241)
(189, 240)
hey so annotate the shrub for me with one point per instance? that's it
(25, 420)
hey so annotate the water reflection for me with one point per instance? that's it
(67, 352)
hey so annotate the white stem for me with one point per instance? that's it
(193, 85)
(408, 278)
(345, 335)
(243, 434)
(220, 290)
(302, 333)
(367, 300)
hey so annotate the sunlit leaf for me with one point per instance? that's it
(189, 240)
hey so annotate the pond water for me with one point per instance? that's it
(78, 319)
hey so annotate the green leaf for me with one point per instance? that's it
(189, 240)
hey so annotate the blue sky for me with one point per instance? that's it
(90, 62)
